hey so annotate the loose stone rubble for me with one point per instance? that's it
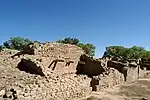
(55, 71)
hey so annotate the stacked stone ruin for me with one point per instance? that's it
(55, 71)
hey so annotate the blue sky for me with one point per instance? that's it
(101, 22)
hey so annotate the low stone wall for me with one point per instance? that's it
(132, 74)
(142, 72)
(22, 86)
(131, 71)
(104, 81)
(52, 71)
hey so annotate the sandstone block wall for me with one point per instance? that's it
(114, 78)
(22, 86)
(57, 57)
(132, 74)
(142, 72)
(65, 55)
(48, 72)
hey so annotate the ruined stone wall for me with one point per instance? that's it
(142, 72)
(113, 78)
(57, 83)
(22, 86)
(40, 78)
(131, 70)
(132, 74)
(91, 66)
(57, 57)
(65, 55)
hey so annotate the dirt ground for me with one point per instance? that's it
(138, 90)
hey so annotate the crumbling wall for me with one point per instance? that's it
(56, 57)
(101, 75)
(58, 63)
(5, 58)
(24, 86)
(30, 67)
(114, 78)
(142, 72)
(90, 66)
(132, 74)
(130, 70)
(107, 73)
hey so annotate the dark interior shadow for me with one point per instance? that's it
(68, 63)
(93, 84)
(120, 67)
(55, 63)
(17, 54)
(30, 67)
(88, 66)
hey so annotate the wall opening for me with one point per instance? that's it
(89, 66)
(93, 84)
(30, 67)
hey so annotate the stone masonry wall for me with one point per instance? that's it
(57, 57)
(48, 72)
(16, 85)
(132, 74)
(106, 81)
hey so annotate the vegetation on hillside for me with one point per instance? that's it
(19, 43)
(73, 41)
(121, 52)
(135, 52)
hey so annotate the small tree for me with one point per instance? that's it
(114, 51)
(69, 40)
(17, 43)
(6, 44)
(36, 41)
(134, 52)
(88, 48)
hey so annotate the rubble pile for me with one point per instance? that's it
(56, 71)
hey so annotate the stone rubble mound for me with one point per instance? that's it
(56, 71)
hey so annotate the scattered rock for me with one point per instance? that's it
(55, 71)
